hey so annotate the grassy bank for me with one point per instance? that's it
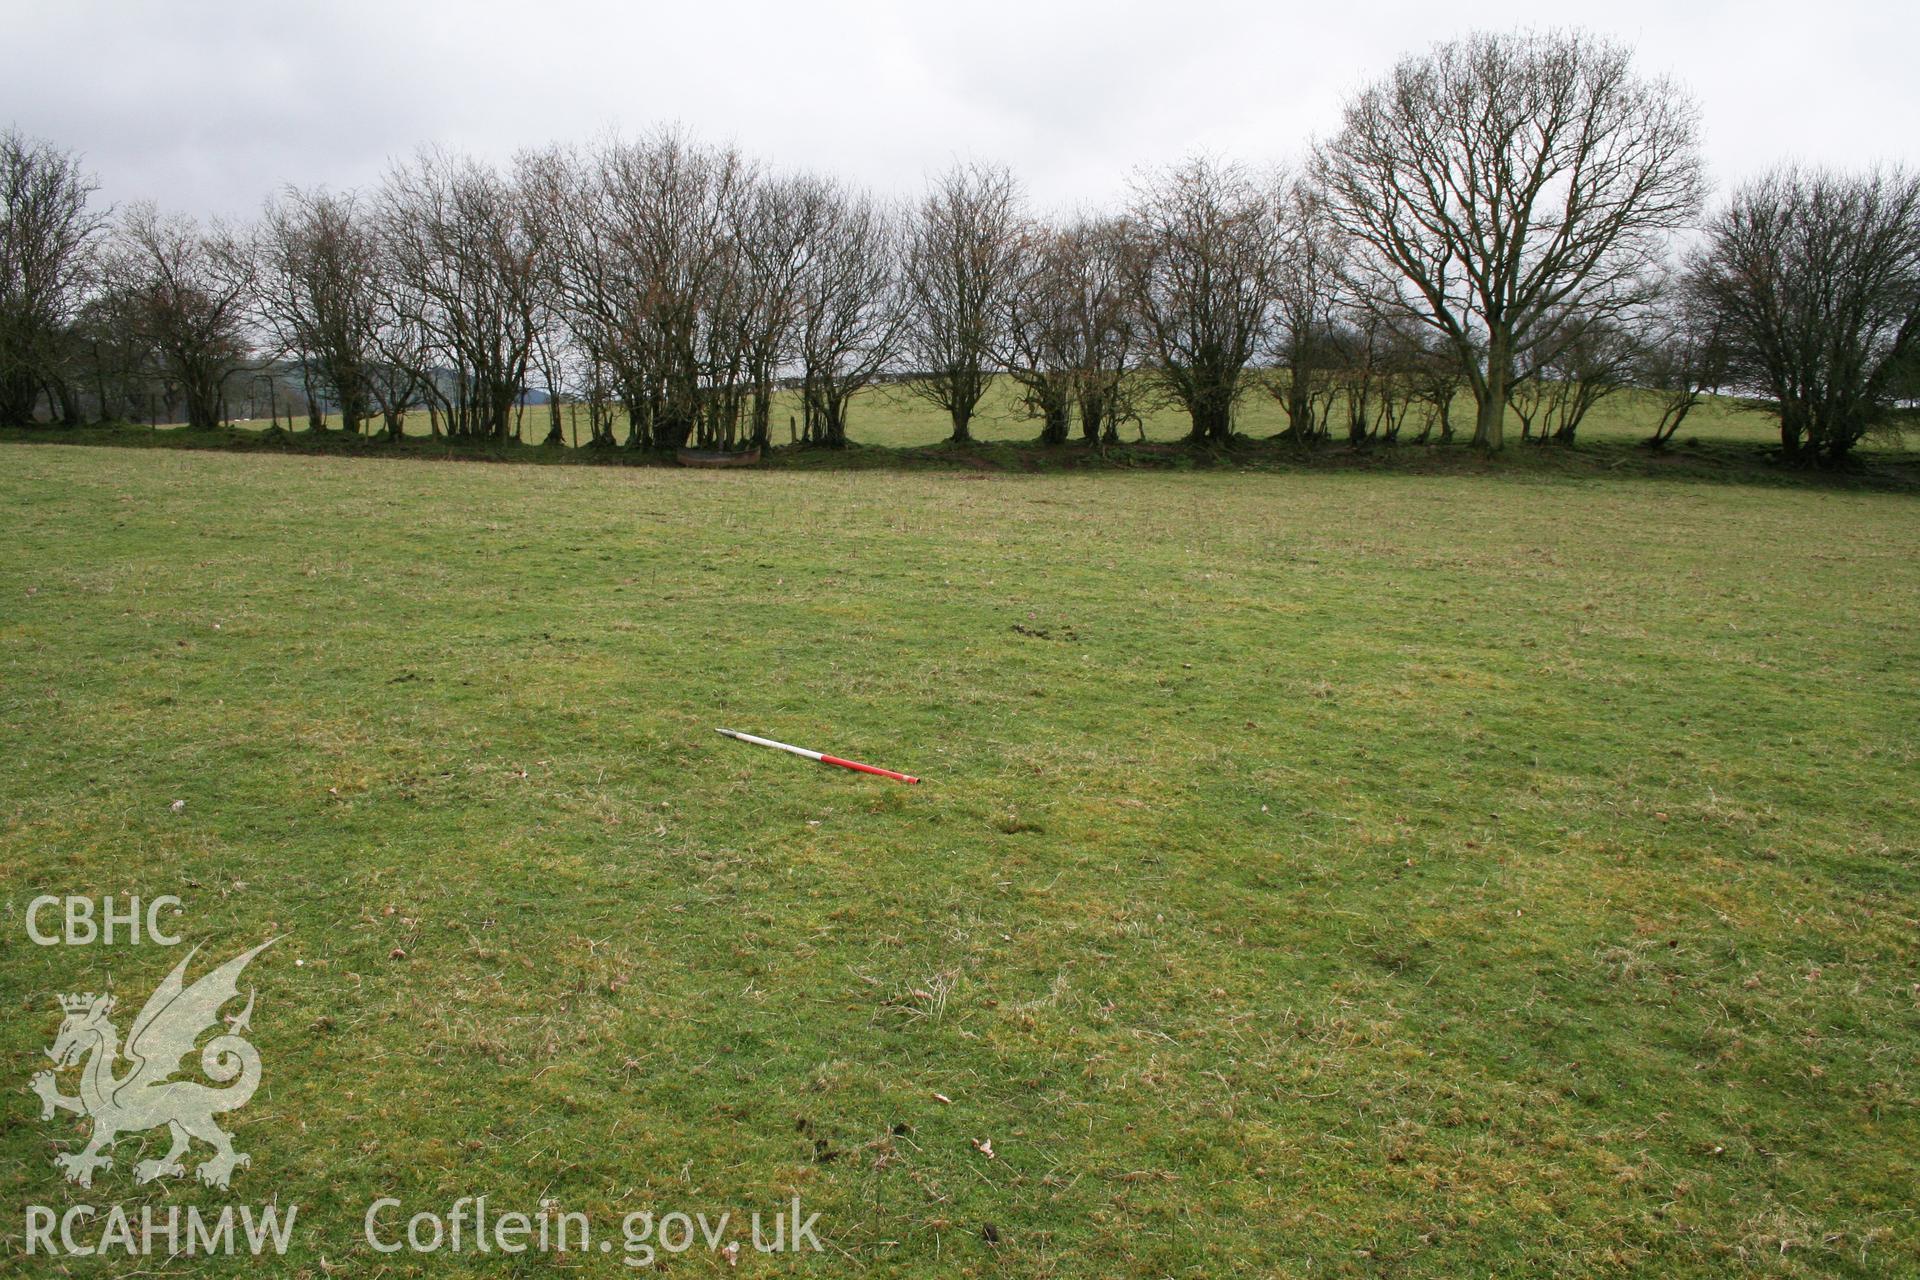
(1333, 871)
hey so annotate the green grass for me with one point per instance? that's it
(894, 417)
(1723, 441)
(1317, 874)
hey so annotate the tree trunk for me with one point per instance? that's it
(833, 422)
(670, 432)
(68, 397)
(1300, 407)
(1092, 413)
(17, 396)
(1212, 421)
(1791, 431)
(100, 386)
(353, 402)
(1058, 421)
(1490, 425)
(315, 420)
(761, 415)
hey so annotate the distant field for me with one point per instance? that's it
(894, 416)
(1316, 874)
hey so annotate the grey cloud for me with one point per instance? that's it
(210, 107)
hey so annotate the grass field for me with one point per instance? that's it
(1329, 874)
(893, 416)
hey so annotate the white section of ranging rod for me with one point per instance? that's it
(769, 742)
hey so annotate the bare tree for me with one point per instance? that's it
(1435, 377)
(549, 358)
(654, 281)
(1679, 354)
(542, 179)
(675, 236)
(1104, 331)
(1814, 280)
(108, 357)
(1500, 181)
(960, 267)
(318, 280)
(1069, 328)
(1202, 258)
(457, 239)
(1309, 292)
(1355, 375)
(1041, 352)
(47, 232)
(561, 191)
(849, 311)
(1367, 364)
(1590, 362)
(188, 294)
(779, 231)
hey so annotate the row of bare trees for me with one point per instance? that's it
(1500, 218)
(47, 228)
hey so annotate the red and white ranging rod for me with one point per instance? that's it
(820, 756)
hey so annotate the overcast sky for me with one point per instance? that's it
(206, 108)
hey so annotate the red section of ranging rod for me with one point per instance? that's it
(868, 768)
(822, 757)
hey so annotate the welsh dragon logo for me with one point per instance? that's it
(147, 1096)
